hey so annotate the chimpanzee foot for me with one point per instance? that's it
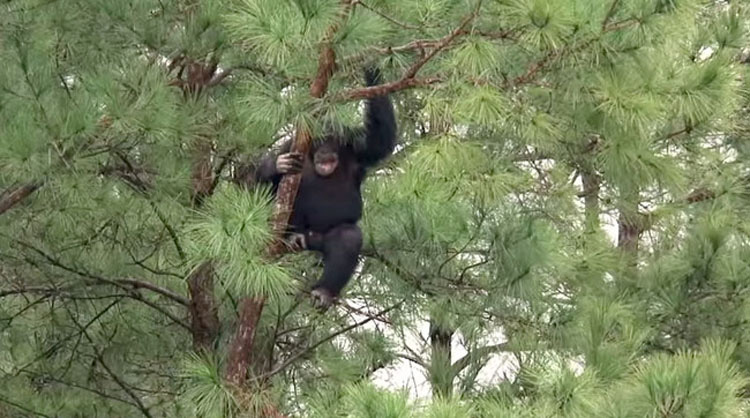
(322, 299)
(295, 242)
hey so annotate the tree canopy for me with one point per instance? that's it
(562, 231)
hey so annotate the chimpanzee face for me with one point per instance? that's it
(326, 159)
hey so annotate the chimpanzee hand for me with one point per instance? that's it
(289, 163)
(322, 299)
(296, 242)
(372, 76)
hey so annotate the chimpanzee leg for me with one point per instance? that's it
(341, 247)
(315, 241)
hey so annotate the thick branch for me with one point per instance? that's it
(440, 360)
(409, 80)
(202, 174)
(204, 314)
(386, 88)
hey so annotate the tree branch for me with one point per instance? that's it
(125, 284)
(139, 284)
(475, 355)
(609, 14)
(301, 353)
(423, 44)
(12, 197)
(100, 359)
(20, 407)
(60, 343)
(385, 16)
(444, 42)
(409, 80)
(54, 291)
(386, 88)
(553, 55)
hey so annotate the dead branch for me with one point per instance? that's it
(11, 198)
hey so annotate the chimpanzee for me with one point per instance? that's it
(329, 202)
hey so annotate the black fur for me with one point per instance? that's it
(327, 209)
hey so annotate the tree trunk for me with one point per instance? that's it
(441, 372)
(204, 312)
(591, 189)
(242, 346)
(629, 225)
(628, 235)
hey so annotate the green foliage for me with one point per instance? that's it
(364, 401)
(567, 205)
(702, 384)
(206, 390)
(447, 408)
(233, 232)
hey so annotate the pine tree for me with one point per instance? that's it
(138, 278)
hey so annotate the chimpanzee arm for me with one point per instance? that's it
(379, 126)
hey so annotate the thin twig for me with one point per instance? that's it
(310, 348)
(60, 343)
(445, 41)
(126, 283)
(609, 14)
(100, 359)
(554, 55)
(20, 407)
(385, 16)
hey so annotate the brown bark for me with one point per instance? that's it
(204, 316)
(244, 337)
(630, 225)
(700, 194)
(202, 172)
(11, 198)
(628, 235)
(383, 89)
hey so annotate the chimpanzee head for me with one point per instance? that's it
(326, 158)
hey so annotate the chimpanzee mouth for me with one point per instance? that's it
(327, 166)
